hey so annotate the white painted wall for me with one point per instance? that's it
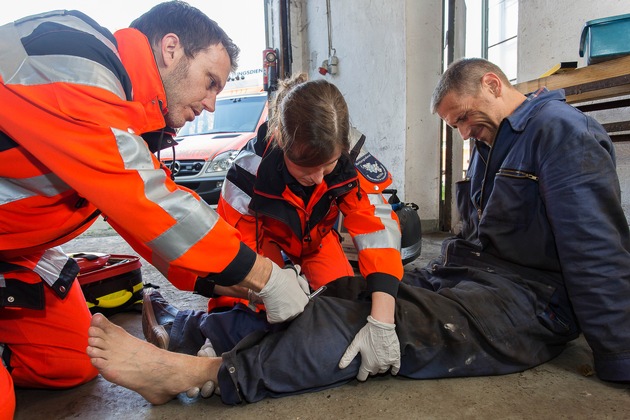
(423, 67)
(389, 61)
(549, 31)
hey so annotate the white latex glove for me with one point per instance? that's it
(285, 295)
(379, 347)
(209, 387)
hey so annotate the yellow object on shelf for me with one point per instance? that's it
(561, 67)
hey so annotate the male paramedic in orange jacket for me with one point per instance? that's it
(82, 113)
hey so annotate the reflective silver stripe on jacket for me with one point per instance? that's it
(16, 67)
(232, 194)
(386, 238)
(51, 264)
(194, 218)
(14, 189)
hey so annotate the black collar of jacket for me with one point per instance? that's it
(160, 139)
(273, 178)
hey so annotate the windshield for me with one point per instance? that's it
(231, 115)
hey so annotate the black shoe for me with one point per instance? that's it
(157, 318)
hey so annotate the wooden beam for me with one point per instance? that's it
(597, 81)
(620, 103)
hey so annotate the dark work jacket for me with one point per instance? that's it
(544, 203)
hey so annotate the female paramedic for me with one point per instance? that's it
(286, 189)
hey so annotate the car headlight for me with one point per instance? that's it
(222, 161)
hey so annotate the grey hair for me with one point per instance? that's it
(464, 77)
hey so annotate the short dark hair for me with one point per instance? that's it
(195, 30)
(464, 76)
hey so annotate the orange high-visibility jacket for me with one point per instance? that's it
(260, 198)
(75, 101)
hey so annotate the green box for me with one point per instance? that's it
(605, 39)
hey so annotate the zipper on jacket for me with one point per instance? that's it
(297, 206)
(307, 226)
(479, 205)
(514, 173)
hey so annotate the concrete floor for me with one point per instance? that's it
(561, 389)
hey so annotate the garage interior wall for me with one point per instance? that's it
(549, 31)
(390, 55)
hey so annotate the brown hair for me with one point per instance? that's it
(464, 77)
(195, 30)
(309, 120)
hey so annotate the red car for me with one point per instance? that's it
(207, 146)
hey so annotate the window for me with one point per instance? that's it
(502, 28)
(231, 115)
(492, 29)
(491, 32)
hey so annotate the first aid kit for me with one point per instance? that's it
(111, 283)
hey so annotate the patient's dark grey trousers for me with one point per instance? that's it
(450, 321)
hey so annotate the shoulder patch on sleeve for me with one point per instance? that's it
(370, 167)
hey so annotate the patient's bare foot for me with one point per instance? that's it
(158, 375)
